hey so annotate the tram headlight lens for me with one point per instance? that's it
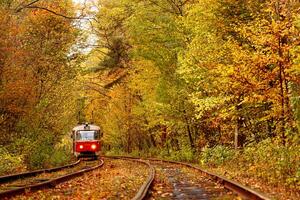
(80, 146)
(93, 146)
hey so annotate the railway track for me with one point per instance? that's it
(242, 191)
(16, 184)
(12, 177)
(181, 185)
(143, 190)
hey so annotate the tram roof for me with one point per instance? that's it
(82, 127)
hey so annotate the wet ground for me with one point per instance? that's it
(177, 182)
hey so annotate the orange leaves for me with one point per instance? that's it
(17, 96)
(34, 67)
(115, 180)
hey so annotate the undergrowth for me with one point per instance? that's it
(267, 161)
(26, 154)
(9, 162)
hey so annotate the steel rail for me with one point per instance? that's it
(234, 186)
(49, 183)
(143, 190)
(243, 191)
(12, 177)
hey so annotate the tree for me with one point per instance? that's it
(39, 63)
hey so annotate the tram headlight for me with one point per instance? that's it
(93, 146)
(80, 146)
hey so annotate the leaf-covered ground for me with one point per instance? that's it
(278, 192)
(177, 182)
(117, 179)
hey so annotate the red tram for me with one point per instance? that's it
(86, 140)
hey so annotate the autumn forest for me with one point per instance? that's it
(214, 82)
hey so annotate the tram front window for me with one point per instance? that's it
(87, 135)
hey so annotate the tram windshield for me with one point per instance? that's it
(87, 135)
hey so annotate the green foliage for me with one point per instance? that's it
(284, 162)
(197, 71)
(6, 2)
(166, 79)
(21, 146)
(41, 152)
(267, 160)
(217, 155)
(184, 154)
(44, 153)
(9, 163)
(115, 151)
(60, 156)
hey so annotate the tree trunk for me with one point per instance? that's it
(152, 140)
(236, 136)
(163, 136)
(190, 137)
(282, 95)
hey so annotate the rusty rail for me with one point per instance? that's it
(48, 183)
(142, 193)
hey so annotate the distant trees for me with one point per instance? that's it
(175, 75)
(199, 73)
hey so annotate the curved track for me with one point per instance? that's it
(241, 190)
(237, 188)
(9, 192)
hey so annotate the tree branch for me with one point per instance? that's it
(21, 6)
(32, 6)
(97, 90)
(153, 2)
(53, 12)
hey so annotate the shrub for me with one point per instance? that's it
(268, 160)
(216, 155)
(114, 151)
(9, 162)
(61, 156)
(184, 154)
(45, 154)
(274, 162)
(40, 156)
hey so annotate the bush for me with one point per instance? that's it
(184, 154)
(216, 155)
(45, 153)
(61, 156)
(274, 162)
(9, 162)
(267, 160)
(40, 156)
(114, 152)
